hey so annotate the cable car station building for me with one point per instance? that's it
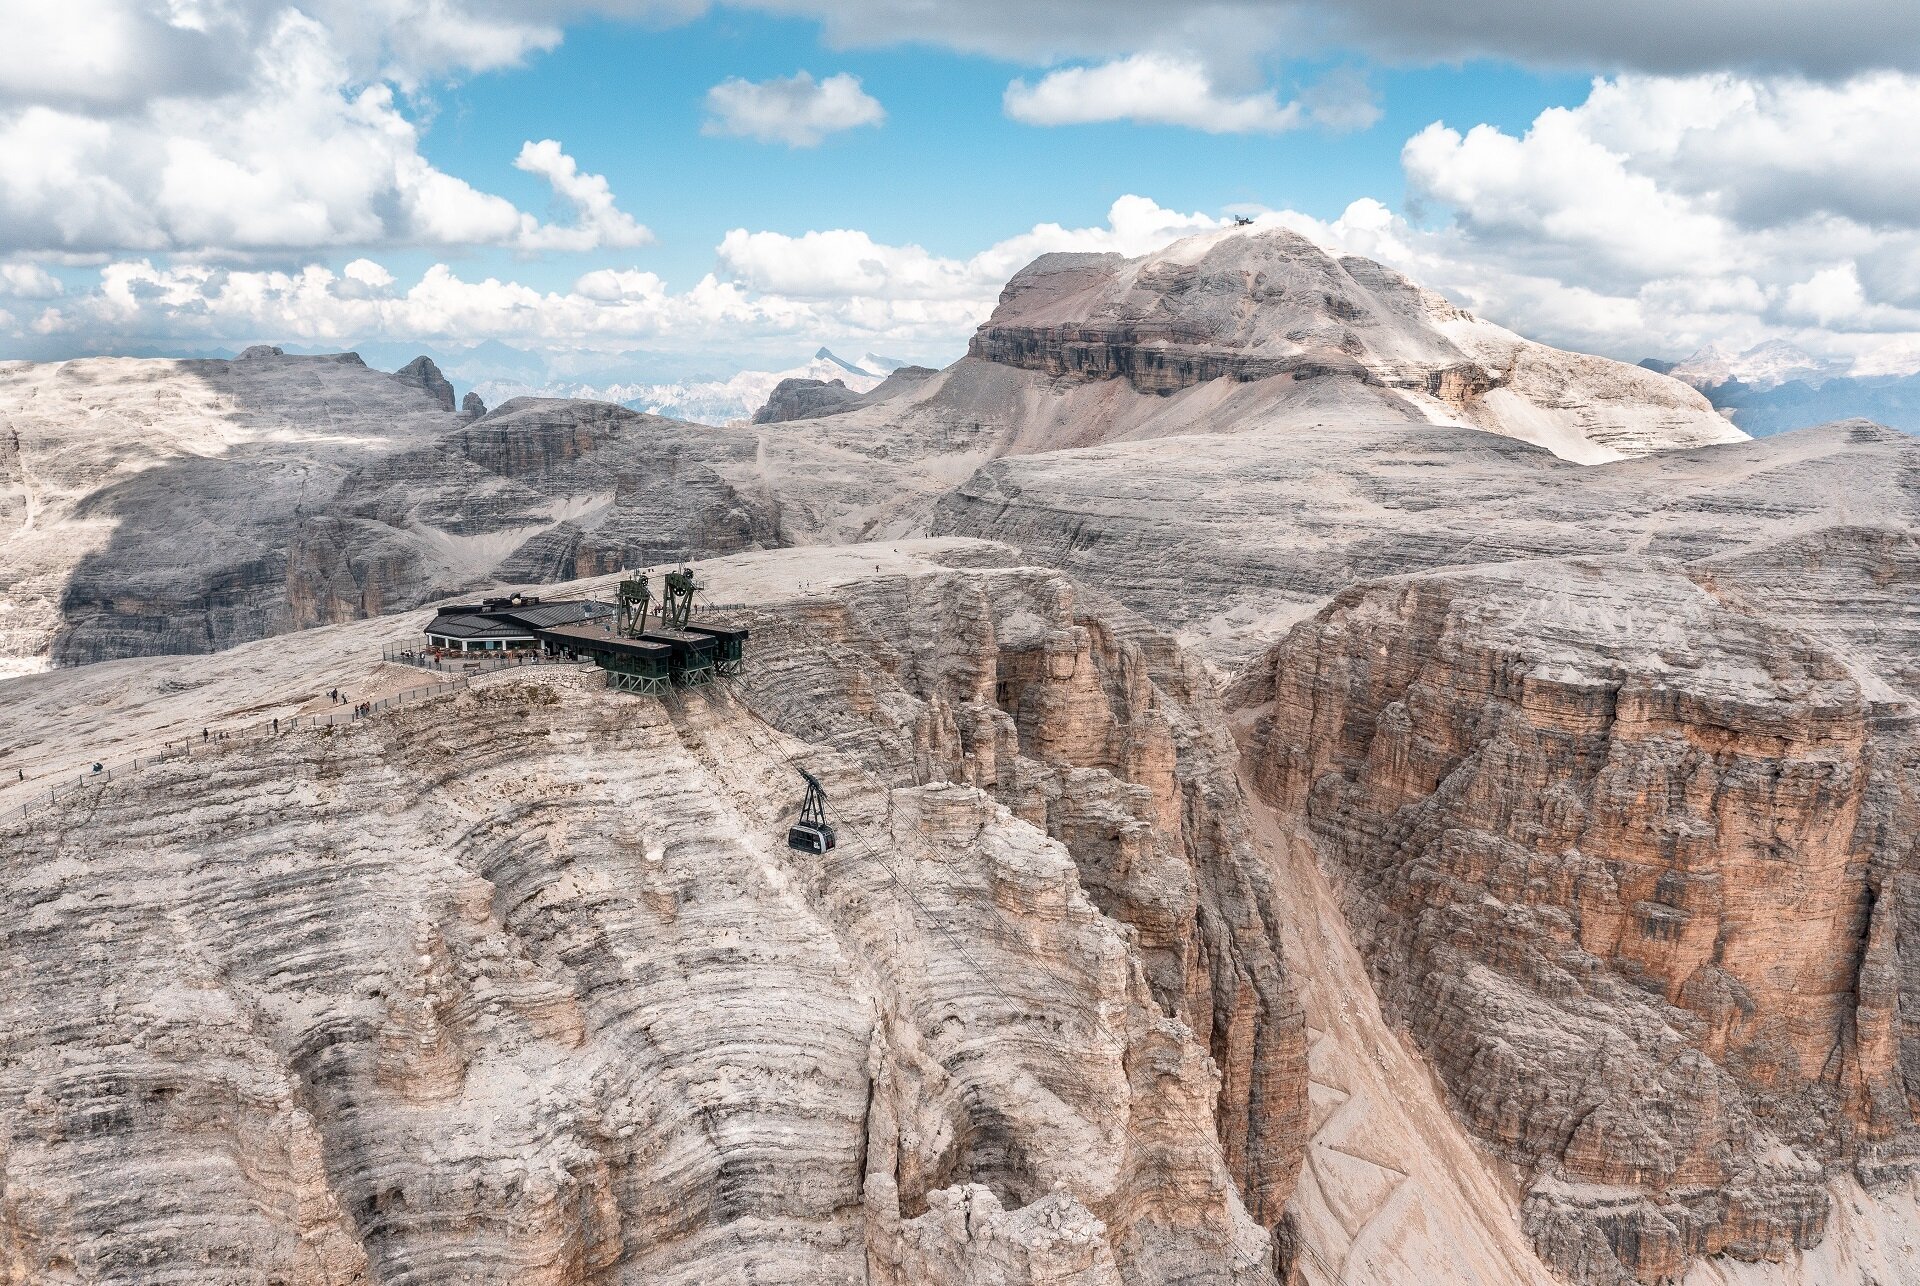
(641, 650)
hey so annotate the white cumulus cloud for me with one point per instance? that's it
(849, 264)
(28, 281)
(796, 110)
(293, 157)
(1665, 213)
(768, 291)
(1167, 89)
(598, 222)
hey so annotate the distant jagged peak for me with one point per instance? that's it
(831, 358)
(869, 365)
(1765, 365)
(424, 375)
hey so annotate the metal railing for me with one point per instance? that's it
(173, 750)
(462, 662)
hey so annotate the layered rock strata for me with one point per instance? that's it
(1268, 305)
(1633, 862)
(1231, 540)
(530, 989)
(159, 506)
(1102, 735)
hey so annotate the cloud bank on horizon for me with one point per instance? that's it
(199, 173)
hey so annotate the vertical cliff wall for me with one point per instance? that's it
(1634, 864)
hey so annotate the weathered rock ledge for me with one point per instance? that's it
(1633, 863)
(522, 985)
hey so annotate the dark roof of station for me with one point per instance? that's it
(476, 627)
(683, 641)
(566, 612)
(585, 636)
(508, 618)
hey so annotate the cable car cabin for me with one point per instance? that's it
(810, 839)
(811, 834)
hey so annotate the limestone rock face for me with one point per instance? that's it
(472, 406)
(1269, 305)
(422, 374)
(523, 984)
(1631, 858)
(159, 506)
(804, 399)
(1231, 541)
(1100, 734)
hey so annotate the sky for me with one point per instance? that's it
(672, 188)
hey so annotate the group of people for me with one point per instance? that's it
(335, 695)
(360, 710)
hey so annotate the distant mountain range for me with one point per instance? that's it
(659, 384)
(700, 401)
(726, 401)
(1774, 387)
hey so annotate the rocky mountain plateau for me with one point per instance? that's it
(1330, 792)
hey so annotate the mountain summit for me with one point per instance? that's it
(1320, 331)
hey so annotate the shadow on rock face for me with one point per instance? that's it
(343, 492)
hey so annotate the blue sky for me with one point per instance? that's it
(948, 170)
(1629, 178)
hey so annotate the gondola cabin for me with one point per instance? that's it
(812, 833)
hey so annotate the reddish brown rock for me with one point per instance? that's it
(1633, 862)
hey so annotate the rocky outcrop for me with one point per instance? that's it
(801, 399)
(532, 989)
(1102, 735)
(1231, 540)
(189, 506)
(422, 374)
(1631, 860)
(472, 406)
(1267, 305)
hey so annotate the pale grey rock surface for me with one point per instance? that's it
(160, 497)
(523, 984)
(1231, 540)
(803, 399)
(171, 506)
(422, 374)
